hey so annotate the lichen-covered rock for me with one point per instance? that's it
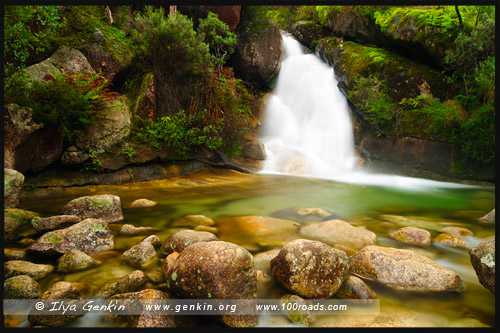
(71, 61)
(128, 283)
(339, 234)
(145, 319)
(305, 214)
(192, 221)
(169, 264)
(216, 269)
(445, 239)
(178, 241)
(404, 270)
(89, 236)
(142, 254)
(457, 231)
(488, 218)
(14, 254)
(22, 267)
(12, 183)
(412, 236)
(310, 268)
(483, 261)
(42, 71)
(106, 207)
(54, 222)
(262, 260)
(132, 230)
(258, 52)
(21, 286)
(143, 203)
(16, 221)
(355, 288)
(74, 261)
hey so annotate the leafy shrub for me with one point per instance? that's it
(477, 138)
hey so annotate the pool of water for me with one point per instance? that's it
(222, 194)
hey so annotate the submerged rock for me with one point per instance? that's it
(128, 283)
(142, 254)
(21, 267)
(206, 228)
(299, 316)
(89, 236)
(339, 234)
(21, 286)
(106, 207)
(132, 230)
(16, 221)
(310, 268)
(262, 260)
(74, 261)
(355, 288)
(488, 218)
(12, 183)
(483, 261)
(404, 270)
(14, 254)
(54, 222)
(193, 221)
(178, 241)
(450, 241)
(457, 231)
(216, 270)
(305, 214)
(412, 236)
(143, 203)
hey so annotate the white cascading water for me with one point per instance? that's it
(307, 126)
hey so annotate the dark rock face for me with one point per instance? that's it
(258, 53)
(16, 221)
(106, 207)
(483, 261)
(21, 267)
(310, 268)
(307, 32)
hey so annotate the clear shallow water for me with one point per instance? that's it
(380, 209)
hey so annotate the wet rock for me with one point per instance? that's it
(254, 150)
(483, 261)
(178, 241)
(339, 234)
(54, 222)
(89, 236)
(262, 260)
(457, 231)
(169, 264)
(206, 228)
(106, 207)
(14, 254)
(488, 218)
(192, 221)
(142, 254)
(145, 319)
(307, 32)
(12, 183)
(131, 230)
(450, 241)
(143, 203)
(404, 270)
(310, 268)
(128, 283)
(265, 283)
(216, 270)
(59, 290)
(299, 317)
(21, 267)
(73, 156)
(355, 288)
(74, 261)
(21, 286)
(17, 222)
(307, 214)
(42, 71)
(412, 236)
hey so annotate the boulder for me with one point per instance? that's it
(132, 230)
(17, 222)
(216, 269)
(128, 283)
(488, 218)
(42, 71)
(21, 267)
(404, 270)
(143, 203)
(449, 240)
(459, 232)
(145, 319)
(54, 222)
(21, 286)
(258, 52)
(191, 221)
(74, 261)
(254, 150)
(339, 234)
(143, 254)
(89, 236)
(305, 214)
(180, 240)
(412, 236)
(483, 261)
(106, 207)
(71, 61)
(310, 269)
(308, 32)
(355, 288)
(14, 254)
(12, 183)
(228, 14)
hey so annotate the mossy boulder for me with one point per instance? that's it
(308, 32)
(54, 222)
(22, 267)
(483, 261)
(17, 222)
(310, 268)
(74, 261)
(106, 207)
(21, 286)
(12, 183)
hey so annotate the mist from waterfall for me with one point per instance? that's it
(307, 129)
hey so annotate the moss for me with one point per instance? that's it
(99, 227)
(98, 203)
(53, 238)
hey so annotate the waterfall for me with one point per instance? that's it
(307, 129)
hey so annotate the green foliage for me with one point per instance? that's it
(484, 81)
(478, 135)
(129, 152)
(218, 37)
(442, 18)
(29, 33)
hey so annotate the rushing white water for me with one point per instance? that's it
(308, 130)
